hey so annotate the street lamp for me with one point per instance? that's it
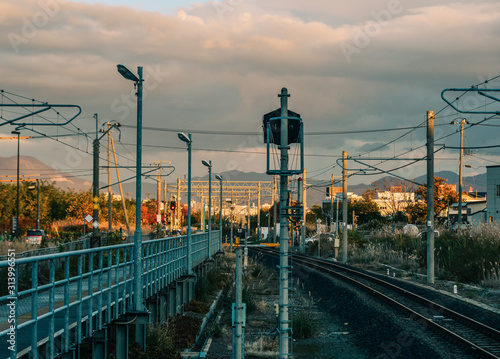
(219, 177)
(187, 138)
(138, 81)
(209, 165)
(16, 227)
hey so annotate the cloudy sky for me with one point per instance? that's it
(214, 68)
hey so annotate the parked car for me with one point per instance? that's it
(35, 236)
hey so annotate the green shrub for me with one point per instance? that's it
(302, 325)
(249, 298)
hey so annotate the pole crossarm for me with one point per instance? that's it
(43, 107)
(482, 92)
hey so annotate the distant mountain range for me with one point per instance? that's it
(30, 167)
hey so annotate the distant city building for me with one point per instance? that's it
(493, 193)
(473, 211)
(393, 201)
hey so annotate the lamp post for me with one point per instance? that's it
(209, 165)
(219, 177)
(138, 81)
(16, 227)
(188, 140)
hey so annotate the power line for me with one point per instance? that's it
(241, 133)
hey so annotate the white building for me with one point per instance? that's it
(393, 201)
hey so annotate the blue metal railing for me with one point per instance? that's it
(57, 300)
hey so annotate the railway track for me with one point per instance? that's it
(474, 336)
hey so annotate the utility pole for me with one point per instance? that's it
(275, 202)
(336, 216)
(460, 166)
(248, 221)
(430, 197)
(110, 216)
(95, 186)
(304, 203)
(178, 205)
(258, 213)
(121, 188)
(37, 203)
(202, 212)
(331, 205)
(232, 219)
(158, 200)
(344, 207)
(16, 224)
(165, 204)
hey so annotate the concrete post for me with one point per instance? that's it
(238, 334)
(430, 197)
(344, 207)
(122, 341)
(163, 306)
(99, 344)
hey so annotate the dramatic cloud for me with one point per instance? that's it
(220, 65)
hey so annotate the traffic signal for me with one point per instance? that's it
(172, 205)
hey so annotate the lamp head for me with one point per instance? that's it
(183, 137)
(16, 133)
(206, 164)
(219, 177)
(127, 73)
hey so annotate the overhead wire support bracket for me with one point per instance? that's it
(482, 92)
(44, 107)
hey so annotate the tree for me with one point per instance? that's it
(365, 209)
(316, 212)
(444, 195)
(79, 204)
(417, 211)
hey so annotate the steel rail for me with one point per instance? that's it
(327, 266)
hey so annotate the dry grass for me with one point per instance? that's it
(18, 246)
(263, 347)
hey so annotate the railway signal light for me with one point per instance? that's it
(172, 205)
